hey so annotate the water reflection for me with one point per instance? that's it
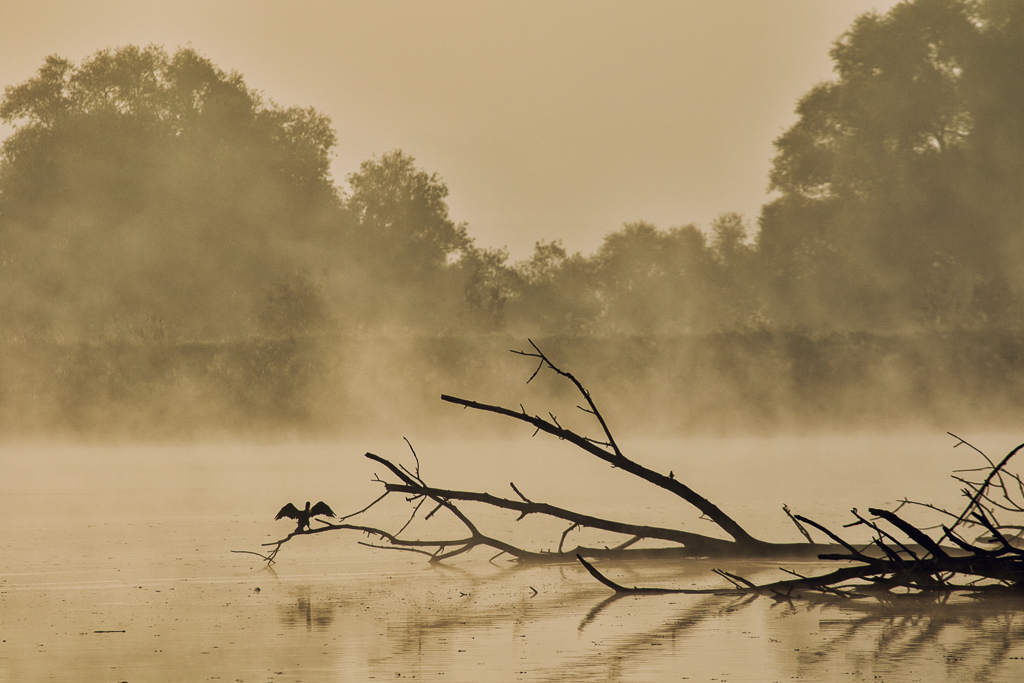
(937, 638)
(468, 624)
(306, 610)
(973, 639)
(630, 652)
(89, 595)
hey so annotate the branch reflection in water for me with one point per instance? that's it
(568, 631)
(89, 594)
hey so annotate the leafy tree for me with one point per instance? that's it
(633, 275)
(901, 180)
(994, 86)
(729, 239)
(557, 292)
(656, 282)
(139, 184)
(488, 285)
(401, 214)
(408, 247)
(732, 277)
(293, 305)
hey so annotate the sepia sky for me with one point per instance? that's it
(547, 119)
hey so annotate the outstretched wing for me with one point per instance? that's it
(289, 510)
(322, 508)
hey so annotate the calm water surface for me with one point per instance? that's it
(116, 566)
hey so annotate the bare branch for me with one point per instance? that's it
(356, 514)
(705, 506)
(649, 591)
(906, 559)
(565, 533)
(974, 500)
(785, 508)
(700, 544)
(518, 493)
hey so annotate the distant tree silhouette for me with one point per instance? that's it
(401, 213)
(407, 243)
(140, 184)
(558, 292)
(900, 185)
(292, 305)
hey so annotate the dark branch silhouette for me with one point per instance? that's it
(681, 543)
(609, 451)
(918, 565)
(901, 556)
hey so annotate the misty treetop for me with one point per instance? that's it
(143, 185)
(901, 187)
(175, 258)
(145, 189)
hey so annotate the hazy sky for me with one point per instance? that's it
(547, 119)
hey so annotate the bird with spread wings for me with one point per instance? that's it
(303, 517)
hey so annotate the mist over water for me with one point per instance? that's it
(117, 565)
(176, 261)
(199, 324)
(325, 386)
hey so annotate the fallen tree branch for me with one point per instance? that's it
(696, 545)
(921, 565)
(610, 452)
(688, 544)
(993, 473)
(649, 591)
(904, 557)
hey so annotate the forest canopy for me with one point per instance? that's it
(140, 185)
(900, 189)
(152, 197)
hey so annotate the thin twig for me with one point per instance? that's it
(799, 526)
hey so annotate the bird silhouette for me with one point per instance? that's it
(303, 516)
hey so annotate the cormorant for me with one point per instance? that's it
(303, 516)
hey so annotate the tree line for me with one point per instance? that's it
(154, 194)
